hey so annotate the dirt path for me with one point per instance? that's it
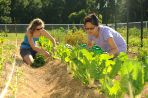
(51, 81)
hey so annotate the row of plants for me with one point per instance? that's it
(7, 51)
(1, 59)
(114, 78)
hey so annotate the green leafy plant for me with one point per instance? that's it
(38, 61)
(1, 57)
(63, 52)
(143, 57)
(75, 37)
(101, 68)
(88, 68)
(45, 43)
(7, 51)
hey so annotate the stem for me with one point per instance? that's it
(130, 90)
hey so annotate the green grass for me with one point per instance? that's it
(58, 34)
(12, 36)
(134, 38)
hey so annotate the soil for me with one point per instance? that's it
(51, 81)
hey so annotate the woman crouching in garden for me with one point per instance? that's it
(103, 36)
(28, 48)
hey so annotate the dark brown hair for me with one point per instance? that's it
(34, 23)
(92, 18)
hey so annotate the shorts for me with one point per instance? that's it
(24, 52)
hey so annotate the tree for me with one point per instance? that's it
(34, 9)
(145, 8)
(133, 6)
(69, 11)
(77, 17)
(5, 11)
(76, 10)
(23, 11)
(18, 10)
(53, 11)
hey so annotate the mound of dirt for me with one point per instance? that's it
(51, 81)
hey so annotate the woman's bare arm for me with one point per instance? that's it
(47, 35)
(31, 42)
(113, 47)
(89, 44)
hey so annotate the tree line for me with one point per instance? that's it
(71, 11)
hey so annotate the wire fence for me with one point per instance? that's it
(134, 30)
(22, 27)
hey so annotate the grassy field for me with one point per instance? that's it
(13, 36)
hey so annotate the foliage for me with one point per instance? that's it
(77, 17)
(75, 37)
(59, 33)
(38, 61)
(4, 34)
(63, 52)
(45, 44)
(7, 51)
(5, 11)
(69, 11)
(1, 41)
(143, 56)
(29, 9)
(1, 58)
(89, 69)
(131, 74)
(134, 33)
(100, 19)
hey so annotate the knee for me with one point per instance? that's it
(28, 59)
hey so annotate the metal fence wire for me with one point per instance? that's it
(21, 28)
(12, 28)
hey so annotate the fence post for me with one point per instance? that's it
(115, 15)
(146, 24)
(16, 33)
(6, 31)
(68, 27)
(127, 34)
(141, 23)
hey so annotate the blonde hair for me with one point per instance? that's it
(34, 23)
